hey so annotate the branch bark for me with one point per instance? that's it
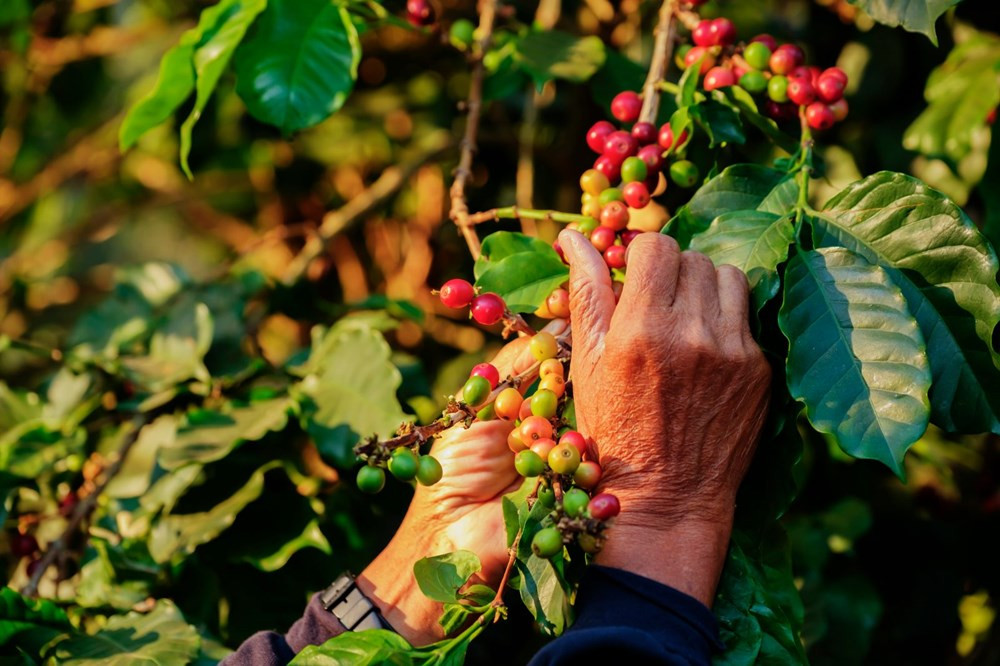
(663, 49)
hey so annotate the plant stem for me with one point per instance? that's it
(804, 166)
(516, 213)
(663, 48)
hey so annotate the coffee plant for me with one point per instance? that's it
(191, 447)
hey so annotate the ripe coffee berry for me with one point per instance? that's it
(547, 543)
(489, 372)
(614, 215)
(514, 442)
(564, 459)
(419, 12)
(602, 238)
(614, 256)
(767, 40)
(429, 471)
(555, 384)
(487, 309)
(619, 146)
(370, 479)
(525, 410)
(718, 77)
(839, 109)
(684, 173)
(403, 464)
(666, 137)
(757, 55)
(609, 195)
(23, 545)
(644, 133)
(529, 463)
(543, 346)
(836, 73)
(544, 403)
(704, 33)
(609, 167)
(702, 54)
(534, 428)
(587, 475)
(652, 155)
(629, 235)
(576, 439)
(626, 106)
(558, 300)
(476, 390)
(819, 116)
(593, 181)
(724, 31)
(633, 169)
(780, 111)
(786, 58)
(551, 367)
(604, 506)
(636, 195)
(575, 502)
(543, 447)
(597, 135)
(829, 88)
(777, 88)
(456, 294)
(507, 405)
(801, 92)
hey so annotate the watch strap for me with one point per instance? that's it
(349, 604)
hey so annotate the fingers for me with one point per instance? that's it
(591, 299)
(734, 303)
(515, 357)
(697, 286)
(653, 267)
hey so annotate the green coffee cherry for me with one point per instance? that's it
(609, 195)
(529, 463)
(428, 470)
(777, 89)
(370, 479)
(544, 403)
(757, 55)
(547, 543)
(754, 82)
(684, 173)
(461, 33)
(403, 464)
(487, 413)
(575, 502)
(476, 390)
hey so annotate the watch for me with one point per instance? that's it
(350, 605)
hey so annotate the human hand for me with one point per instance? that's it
(673, 389)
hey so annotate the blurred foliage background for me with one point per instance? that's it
(890, 573)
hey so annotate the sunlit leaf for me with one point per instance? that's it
(441, 576)
(913, 15)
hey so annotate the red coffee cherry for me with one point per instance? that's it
(419, 12)
(768, 40)
(558, 303)
(614, 256)
(597, 135)
(487, 371)
(699, 53)
(666, 137)
(652, 155)
(604, 506)
(576, 439)
(626, 106)
(719, 77)
(487, 309)
(839, 109)
(636, 195)
(704, 33)
(836, 73)
(609, 167)
(778, 111)
(23, 545)
(819, 116)
(602, 238)
(801, 92)
(829, 88)
(534, 428)
(786, 58)
(724, 31)
(620, 145)
(456, 293)
(614, 215)
(644, 133)
(629, 235)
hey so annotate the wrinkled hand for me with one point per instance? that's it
(460, 512)
(672, 388)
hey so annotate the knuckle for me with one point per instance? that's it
(654, 244)
(696, 259)
(734, 276)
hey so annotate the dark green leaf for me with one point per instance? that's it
(441, 576)
(856, 357)
(31, 621)
(913, 15)
(373, 647)
(311, 537)
(526, 279)
(720, 123)
(511, 520)
(543, 594)
(555, 54)
(300, 63)
(744, 102)
(990, 193)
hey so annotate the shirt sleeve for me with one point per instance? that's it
(632, 619)
(269, 648)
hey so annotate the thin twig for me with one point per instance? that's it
(517, 213)
(663, 48)
(512, 558)
(474, 104)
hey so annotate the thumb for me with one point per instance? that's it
(591, 298)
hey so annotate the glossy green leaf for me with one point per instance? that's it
(373, 647)
(990, 193)
(441, 576)
(946, 271)
(744, 102)
(158, 637)
(300, 64)
(501, 244)
(228, 25)
(526, 279)
(29, 621)
(312, 537)
(913, 15)
(554, 54)
(720, 123)
(856, 357)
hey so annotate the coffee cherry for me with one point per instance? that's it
(652, 155)
(839, 109)
(461, 33)
(370, 479)
(588, 543)
(602, 238)
(633, 169)
(684, 173)
(403, 464)
(629, 235)
(718, 77)
(547, 543)
(597, 135)
(614, 256)
(534, 428)
(803, 73)
(819, 116)
(508, 404)
(700, 53)
(644, 133)
(429, 471)
(777, 88)
(767, 40)
(575, 502)
(786, 58)
(487, 309)
(564, 459)
(525, 410)
(587, 475)
(488, 371)
(23, 545)
(666, 137)
(543, 447)
(558, 300)
(829, 88)
(626, 106)
(619, 146)
(551, 368)
(419, 12)
(703, 33)
(614, 215)
(636, 195)
(576, 439)
(514, 442)
(724, 31)
(610, 168)
(801, 92)
(591, 209)
(836, 73)
(780, 111)
(586, 227)
(543, 346)
(753, 81)
(476, 390)
(757, 55)
(604, 506)
(593, 181)
(456, 293)
(555, 384)
(547, 496)
(609, 195)
(486, 413)
(544, 403)
(528, 463)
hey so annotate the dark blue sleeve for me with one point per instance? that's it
(633, 620)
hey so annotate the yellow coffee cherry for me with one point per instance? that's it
(544, 346)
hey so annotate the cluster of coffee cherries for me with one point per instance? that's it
(404, 462)
(762, 67)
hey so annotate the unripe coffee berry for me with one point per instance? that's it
(588, 543)
(633, 169)
(370, 479)
(547, 496)
(543, 447)
(757, 55)
(534, 428)
(544, 403)
(636, 195)
(609, 195)
(528, 463)
(476, 390)
(587, 475)
(614, 256)
(576, 439)
(488, 371)
(486, 413)
(683, 173)
(718, 77)
(514, 442)
(558, 300)
(487, 309)
(551, 367)
(543, 346)
(753, 81)
(547, 543)
(597, 135)
(564, 459)
(602, 238)
(403, 464)
(585, 227)
(614, 215)
(507, 405)
(525, 411)
(626, 106)
(644, 133)
(461, 33)
(819, 116)
(604, 506)
(777, 88)
(456, 293)
(593, 181)
(428, 471)
(575, 502)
